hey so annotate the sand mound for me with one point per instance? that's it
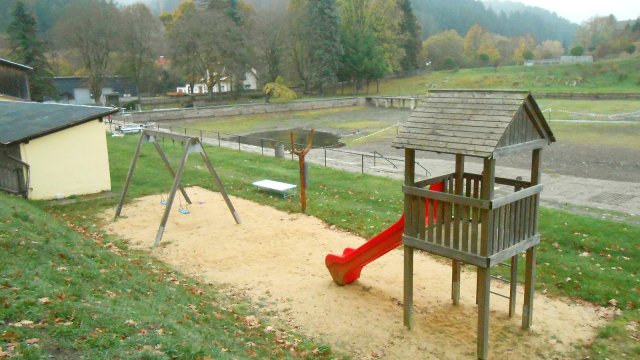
(279, 257)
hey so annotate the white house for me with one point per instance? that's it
(250, 82)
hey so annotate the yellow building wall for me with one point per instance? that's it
(69, 162)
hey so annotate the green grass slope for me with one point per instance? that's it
(68, 293)
(599, 77)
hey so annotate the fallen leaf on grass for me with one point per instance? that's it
(131, 323)
(44, 300)
(32, 341)
(22, 323)
(251, 322)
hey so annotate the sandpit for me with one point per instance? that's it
(278, 257)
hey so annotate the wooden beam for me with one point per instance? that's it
(172, 195)
(484, 293)
(513, 197)
(445, 197)
(410, 228)
(518, 148)
(167, 135)
(513, 286)
(458, 220)
(486, 194)
(170, 169)
(529, 283)
(127, 182)
(218, 182)
(530, 267)
(440, 250)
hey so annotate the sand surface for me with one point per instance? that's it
(278, 258)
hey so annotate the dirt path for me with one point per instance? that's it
(278, 259)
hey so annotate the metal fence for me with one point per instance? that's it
(354, 161)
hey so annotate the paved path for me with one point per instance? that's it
(559, 190)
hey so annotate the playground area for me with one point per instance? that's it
(277, 259)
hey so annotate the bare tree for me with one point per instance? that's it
(142, 35)
(269, 41)
(91, 26)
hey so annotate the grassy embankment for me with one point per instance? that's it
(601, 77)
(69, 292)
(580, 257)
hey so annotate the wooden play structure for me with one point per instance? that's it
(191, 145)
(472, 224)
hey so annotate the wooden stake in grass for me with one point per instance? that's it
(303, 181)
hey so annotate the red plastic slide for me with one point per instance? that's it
(346, 269)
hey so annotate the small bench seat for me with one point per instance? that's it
(285, 189)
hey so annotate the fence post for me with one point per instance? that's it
(374, 159)
(185, 131)
(200, 135)
(238, 142)
(262, 146)
(219, 139)
(325, 157)
(362, 164)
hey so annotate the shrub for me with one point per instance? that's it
(577, 50)
(630, 49)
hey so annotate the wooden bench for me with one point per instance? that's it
(276, 186)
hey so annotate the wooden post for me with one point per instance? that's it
(127, 182)
(303, 181)
(172, 194)
(530, 267)
(458, 221)
(170, 169)
(410, 230)
(218, 182)
(484, 278)
(513, 281)
(483, 313)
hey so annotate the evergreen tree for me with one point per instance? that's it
(412, 44)
(324, 43)
(27, 49)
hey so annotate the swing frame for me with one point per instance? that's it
(191, 145)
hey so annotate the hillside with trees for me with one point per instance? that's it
(313, 46)
(460, 15)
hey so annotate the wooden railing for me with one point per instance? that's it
(453, 227)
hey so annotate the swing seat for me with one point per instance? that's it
(184, 211)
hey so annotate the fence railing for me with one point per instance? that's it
(326, 156)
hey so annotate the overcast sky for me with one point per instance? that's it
(581, 10)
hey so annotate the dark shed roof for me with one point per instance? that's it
(476, 123)
(15, 65)
(23, 121)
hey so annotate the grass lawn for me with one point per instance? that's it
(599, 134)
(580, 257)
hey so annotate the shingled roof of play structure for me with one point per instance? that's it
(480, 123)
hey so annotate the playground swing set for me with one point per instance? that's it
(191, 145)
(459, 216)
